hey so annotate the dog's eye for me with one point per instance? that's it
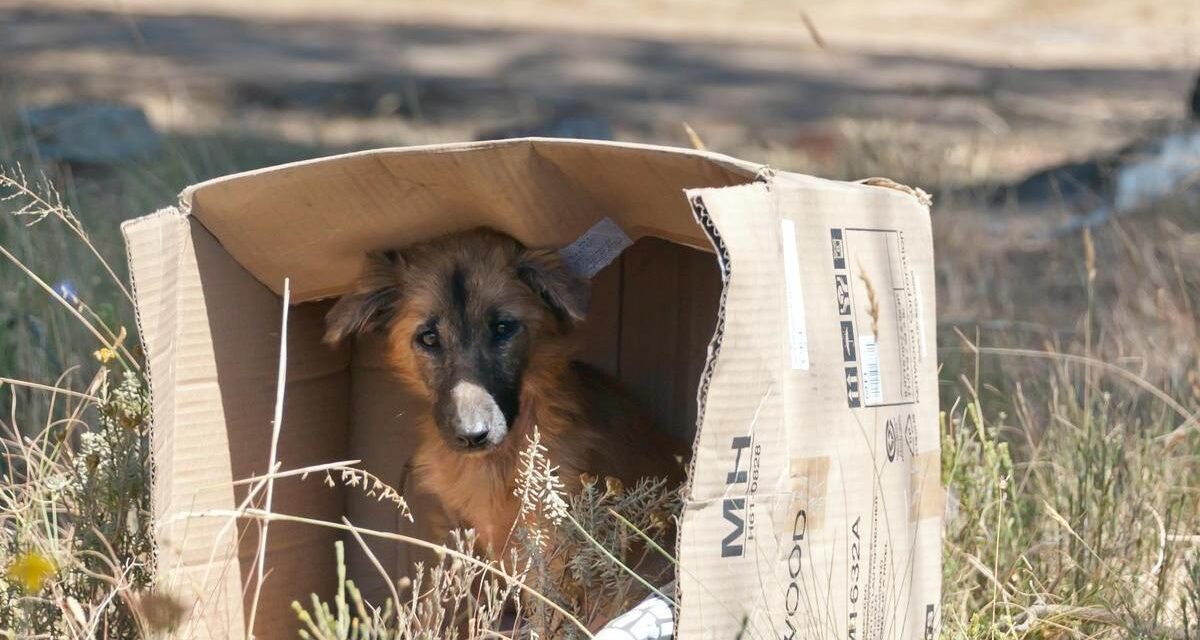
(429, 339)
(503, 328)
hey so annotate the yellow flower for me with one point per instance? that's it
(587, 480)
(30, 571)
(105, 355)
(613, 487)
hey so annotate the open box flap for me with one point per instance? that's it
(313, 221)
(196, 557)
(815, 500)
(211, 335)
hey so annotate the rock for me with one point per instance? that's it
(1159, 169)
(1136, 178)
(1073, 185)
(1135, 175)
(92, 133)
(1139, 174)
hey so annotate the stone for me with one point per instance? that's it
(92, 133)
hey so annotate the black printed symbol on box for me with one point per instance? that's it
(889, 439)
(930, 621)
(842, 284)
(839, 248)
(849, 348)
(853, 398)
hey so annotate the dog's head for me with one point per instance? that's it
(464, 315)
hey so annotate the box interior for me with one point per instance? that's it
(652, 317)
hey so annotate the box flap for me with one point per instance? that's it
(313, 221)
(197, 558)
(815, 501)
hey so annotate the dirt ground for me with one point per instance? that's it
(991, 89)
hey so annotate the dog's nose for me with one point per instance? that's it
(476, 417)
(473, 440)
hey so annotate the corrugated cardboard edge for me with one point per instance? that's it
(700, 212)
(157, 245)
(754, 202)
(129, 229)
(750, 168)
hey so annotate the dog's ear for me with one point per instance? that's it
(564, 292)
(370, 306)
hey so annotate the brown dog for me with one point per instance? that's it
(479, 325)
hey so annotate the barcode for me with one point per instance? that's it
(871, 378)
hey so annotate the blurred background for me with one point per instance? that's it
(1060, 141)
(985, 90)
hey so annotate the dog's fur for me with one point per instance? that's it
(480, 326)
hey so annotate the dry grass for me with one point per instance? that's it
(1071, 452)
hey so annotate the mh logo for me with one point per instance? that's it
(734, 509)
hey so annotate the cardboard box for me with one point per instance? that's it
(790, 318)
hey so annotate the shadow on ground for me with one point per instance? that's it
(439, 74)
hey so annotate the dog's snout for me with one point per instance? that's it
(477, 420)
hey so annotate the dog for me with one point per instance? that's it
(480, 326)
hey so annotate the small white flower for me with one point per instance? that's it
(541, 493)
